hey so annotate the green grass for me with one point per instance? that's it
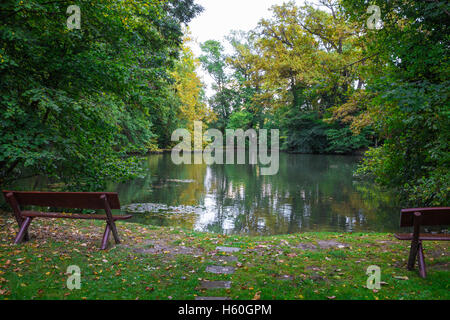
(269, 267)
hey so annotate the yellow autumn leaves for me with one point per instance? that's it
(188, 87)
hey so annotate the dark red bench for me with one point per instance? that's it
(422, 217)
(74, 200)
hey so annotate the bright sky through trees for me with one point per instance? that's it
(221, 17)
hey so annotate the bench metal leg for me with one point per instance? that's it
(421, 261)
(413, 255)
(26, 236)
(23, 231)
(115, 233)
(110, 220)
(106, 237)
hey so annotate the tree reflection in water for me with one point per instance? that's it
(310, 193)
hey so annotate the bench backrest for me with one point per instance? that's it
(79, 200)
(429, 216)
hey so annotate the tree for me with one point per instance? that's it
(75, 103)
(310, 63)
(189, 89)
(409, 92)
(301, 71)
(307, 51)
(246, 79)
(214, 61)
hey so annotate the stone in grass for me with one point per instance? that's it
(322, 244)
(228, 249)
(225, 259)
(215, 285)
(211, 298)
(331, 244)
(286, 277)
(306, 246)
(220, 270)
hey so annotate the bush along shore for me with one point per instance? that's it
(172, 263)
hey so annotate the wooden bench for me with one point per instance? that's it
(417, 218)
(79, 200)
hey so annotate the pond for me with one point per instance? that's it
(310, 193)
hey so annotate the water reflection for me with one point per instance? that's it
(310, 193)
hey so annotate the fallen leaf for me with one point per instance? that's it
(257, 296)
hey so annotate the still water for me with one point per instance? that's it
(310, 193)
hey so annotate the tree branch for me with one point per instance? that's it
(353, 63)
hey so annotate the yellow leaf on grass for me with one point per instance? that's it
(257, 296)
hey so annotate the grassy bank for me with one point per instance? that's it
(163, 263)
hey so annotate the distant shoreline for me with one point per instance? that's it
(355, 153)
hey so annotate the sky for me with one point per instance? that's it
(220, 17)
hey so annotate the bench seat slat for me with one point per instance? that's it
(79, 200)
(38, 214)
(424, 236)
(430, 216)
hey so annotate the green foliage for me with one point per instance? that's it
(306, 133)
(344, 141)
(213, 61)
(240, 120)
(410, 104)
(75, 103)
